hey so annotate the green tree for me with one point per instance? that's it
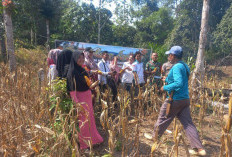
(187, 24)
(123, 13)
(222, 37)
(124, 35)
(80, 23)
(143, 8)
(27, 20)
(187, 27)
(154, 28)
(48, 9)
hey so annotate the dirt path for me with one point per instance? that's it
(211, 139)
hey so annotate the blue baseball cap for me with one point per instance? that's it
(175, 50)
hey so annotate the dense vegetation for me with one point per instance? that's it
(38, 119)
(133, 23)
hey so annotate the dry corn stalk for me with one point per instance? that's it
(156, 142)
(226, 137)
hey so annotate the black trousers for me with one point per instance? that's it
(113, 88)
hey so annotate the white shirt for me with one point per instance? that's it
(127, 76)
(138, 68)
(104, 67)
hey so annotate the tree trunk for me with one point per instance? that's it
(48, 31)
(35, 39)
(199, 71)
(3, 48)
(32, 37)
(2, 41)
(99, 23)
(9, 38)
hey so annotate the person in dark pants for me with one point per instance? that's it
(177, 82)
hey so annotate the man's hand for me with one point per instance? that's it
(128, 68)
(96, 72)
(153, 71)
(162, 89)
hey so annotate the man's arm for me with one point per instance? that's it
(135, 77)
(124, 67)
(147, 69)
(134, 70)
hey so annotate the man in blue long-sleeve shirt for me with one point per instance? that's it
(177, 82)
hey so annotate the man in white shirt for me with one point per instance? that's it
(105, 78)
(104, 67)
(138, 71)
(127, 76)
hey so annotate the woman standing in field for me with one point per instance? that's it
(80, 92)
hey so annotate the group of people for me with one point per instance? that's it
(80, 67)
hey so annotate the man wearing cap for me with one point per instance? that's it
(177, 82)
(91, 67)
(90, 64)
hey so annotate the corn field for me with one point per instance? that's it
(37, 119)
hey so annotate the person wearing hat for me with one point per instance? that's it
(177, 82)
(91, 67)
(89, 63)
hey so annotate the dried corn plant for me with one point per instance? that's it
(30, 124)
(226, 135)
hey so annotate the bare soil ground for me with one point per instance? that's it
(210, 136)
(210, 133)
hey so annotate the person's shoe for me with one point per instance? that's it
(199, 152)
(193, 151)
(148, 136)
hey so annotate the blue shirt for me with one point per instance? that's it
(177, 80)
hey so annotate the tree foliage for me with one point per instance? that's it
(124, 35)
(154, 28)
(135, 23)
(222, 37)
(79, 23)
(187, 27)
